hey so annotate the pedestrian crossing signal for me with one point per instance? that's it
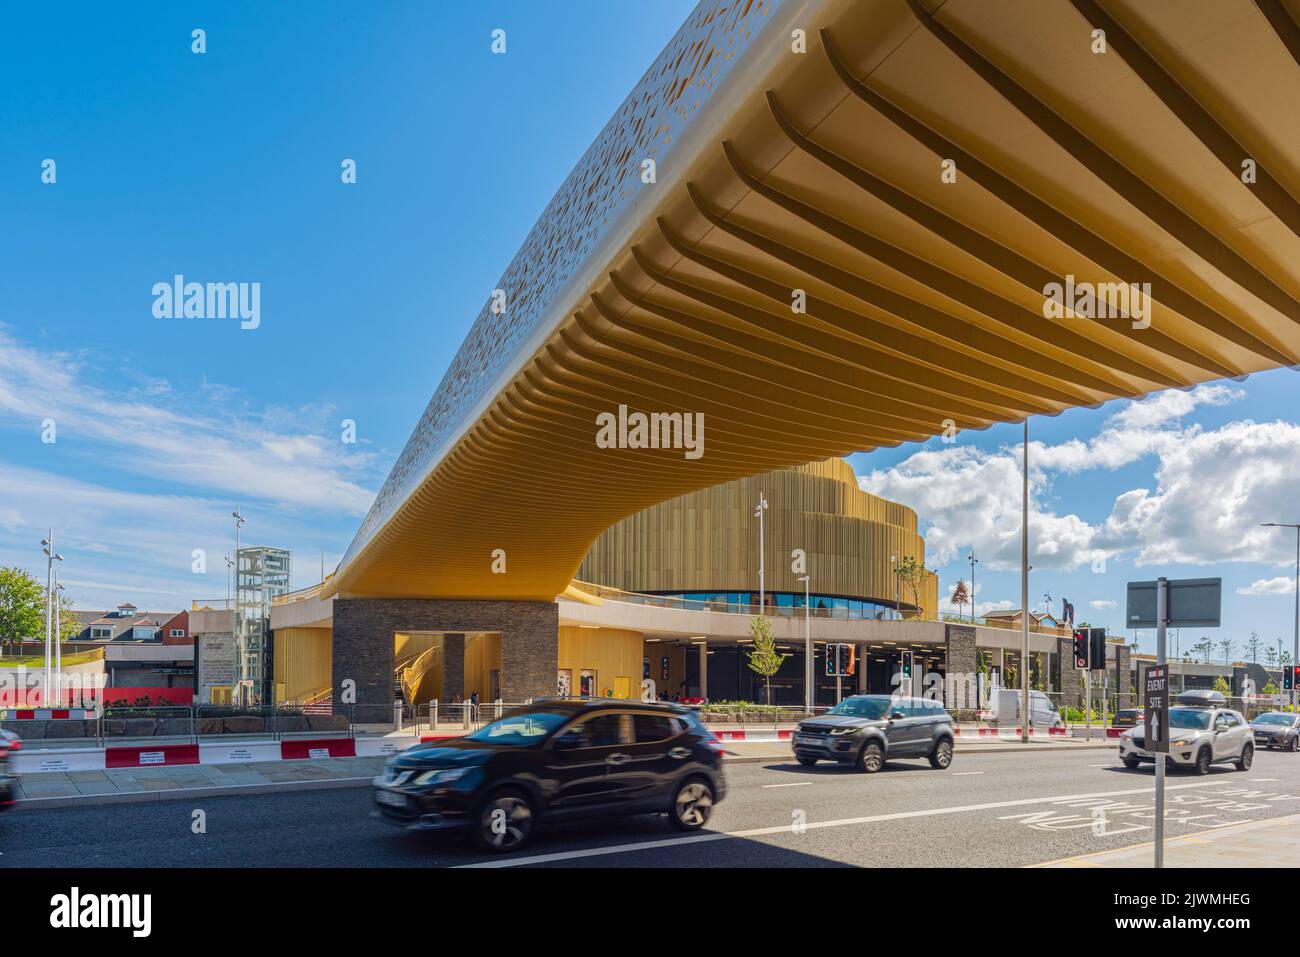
(1288, 677)
(841, 660)
(1081, 639)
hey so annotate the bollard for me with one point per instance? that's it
(397, 716)
(433, 715)
(465, 715)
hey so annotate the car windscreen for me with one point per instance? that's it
(873, 708)
(1282, 719)
(521, 729)
(1193, 719)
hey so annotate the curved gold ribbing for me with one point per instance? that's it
(707, 541)
(850, 247)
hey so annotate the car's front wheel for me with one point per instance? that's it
(871, 758)
(1295, 743)
(1247, 758)
(692, 805)
(941, 756)
(1202, 765)
(504, 822)
(1131, 763)
(807, 762)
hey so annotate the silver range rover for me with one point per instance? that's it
(1202, 733)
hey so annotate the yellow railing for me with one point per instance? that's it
(302, 594)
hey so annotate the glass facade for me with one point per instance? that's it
(784, 603)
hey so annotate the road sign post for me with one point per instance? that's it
(1188, 603)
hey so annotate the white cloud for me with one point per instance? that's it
(1212, 491)
(214, 445)
(1103, 604)
(1282, 585)
(971, 496)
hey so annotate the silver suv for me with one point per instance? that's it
(1202, 732)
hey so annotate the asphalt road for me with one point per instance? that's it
(987, 810)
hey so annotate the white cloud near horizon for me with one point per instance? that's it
(1211, 491)
(1282, 585)
(211, 444)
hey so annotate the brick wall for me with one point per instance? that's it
(364, 629)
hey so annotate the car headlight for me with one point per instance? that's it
(843, 730)
(440, 776)
(1180, 743)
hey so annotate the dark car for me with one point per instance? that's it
(9, 743)
(1275, 729)
(557, 760)
(1127, 718)
(867, 730)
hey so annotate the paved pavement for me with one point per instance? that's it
(65, 787)
(1273, 842)
(989, 809)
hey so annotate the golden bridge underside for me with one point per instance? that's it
(922, 294)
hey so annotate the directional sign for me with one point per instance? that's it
(1155, 718)
(1193, 603)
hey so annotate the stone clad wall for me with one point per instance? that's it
(364, 630)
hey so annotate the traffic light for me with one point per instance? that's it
(907, 665)
(848, 660)
(1295, 680)
(1288, 677)
(1097, 648)
(831, 653)
(1081, 639)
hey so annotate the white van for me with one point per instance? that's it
(1004, 709)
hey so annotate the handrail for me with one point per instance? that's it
(302, 594)
(416, 670)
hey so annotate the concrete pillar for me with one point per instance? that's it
(704, 670)
(961, 667)
(453, 667)
(862, 668)
(1123, 679)
(1071, 681)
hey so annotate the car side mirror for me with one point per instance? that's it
(568, 741)
(893, 715)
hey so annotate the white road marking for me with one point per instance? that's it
(796, 784)
(811, 825)
(958, 774)
(1103, 765)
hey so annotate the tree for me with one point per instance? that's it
(1252, 647)
(1270, 657)
(764, 659)
(1226, 646)
(1221, 685)
(960, 594)
(22, 606)
(914, 575)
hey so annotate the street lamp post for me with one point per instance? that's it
(898, 588)
(1024, 591)
(973, 562)
(809, 699)
(51, 556)
(58, 644)
(1295, 652)
(762, 594)
(230, 566)
(241, 648)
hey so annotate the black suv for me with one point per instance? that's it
(9, 743)
(557, 759)
(866, 730)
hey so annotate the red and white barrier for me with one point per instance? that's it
(53, 714)
(746, 735)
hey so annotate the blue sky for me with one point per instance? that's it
(225, 166)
